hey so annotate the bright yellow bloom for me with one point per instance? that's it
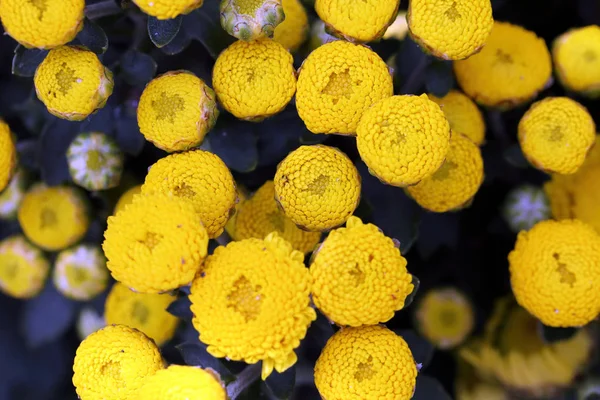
(176, 111)
(53, 218)
(368, 362)
(553, 270)
(202, 179)
(317, 187)
(242, 196)
(556, 134)
(511, 69)
(144, 312)
(72, 83)
(251, 302)
(8, 155)
(463, 115)
(80, 273)
(167, 9)
(23, 268)
(126, 198)
(12, 195)
(180, 382)
(251, 19)
(292, 32)
(43, 24)
(337, 82)
(113, 363)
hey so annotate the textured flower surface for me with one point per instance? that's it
(337, 82)
(80, 272)
(317, 187)
(367, 362)
(12, 195)
(462, 115)
(251, 302)
(168, 9)
(126, 198)
(8, 155)
(179, 382)
(23, 268)
(525, 206)
(292, 32)
(251, 19)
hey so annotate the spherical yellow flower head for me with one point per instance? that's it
(367, 362)
(155, 244)
(182, 382)
(337, 83)
(292, 32)
(556, 134)
(168, 9)
(317, 187)
(511, 69)
(251, 19)
(201, 178)
(113, 363)
(126, 198)
(454, 184)
(525, 206)
(42, 24)
(552, 270)
(72, 83)
(403, 139)
(462, 115)
(251, 302)
(23, 268)
(242, 196)
(8, 155)
(80, 273)
(144, 312)
(53, 218)
(254, 80)
(11, 197)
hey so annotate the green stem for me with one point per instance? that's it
(246, 378)
(102, 9)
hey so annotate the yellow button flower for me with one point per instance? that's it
(53, 218)
(553, 268)
(368, 362)
(462, 114)
(292, 32)
(251, 19)
(176, 111)
(72, 83)
(337, 83)
(12, 195)
(254, 80)
(201, 178)
(182, 382)
(359, 276)
(242, 196)
(126, 198)
(80, 273)
(511, 69)
(42, 24)
(144, 312)
(251, 302)
(8, 155)
(155, 244)
(113, 363)
(167, 9)
(23, 268)
(317, 187)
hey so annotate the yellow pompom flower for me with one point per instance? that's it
(176, 111)
(454, 184)
(553, 270)
(403, 139)
(168, 9)
(317, 187)
(359, 276)
(43, 24)
(53, 218)
(8, 155)
(259, 215)
(72, 82)
(510, 70)
(12, 195)
(254, 80)
(462, 114)
(292, 32)
(367, 362)
(337, 82)
(155, 244)
(126, 198)
(201, 178)
(242, 196)
(251, 19)
(113, 363)
(179, 382)
(556, 134)
(251, 302)
(23, 268)
(80, 273)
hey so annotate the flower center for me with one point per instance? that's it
(566, 276)
(65, 78)
(503, 58)
(339, 85)
(248, 7)
(48, 218)
(452, 13)
(444, 171)
(357, 274)
(556, 134)
(276, 220)
(319, 185)
(95, 160)
(139, 312)
(589, 56)
(151, 240)
(41, 6)
(167, 106)
(10, 269)
(364, 370)
(76, 275)
(111, 370)
(245, 298)
(184, 190)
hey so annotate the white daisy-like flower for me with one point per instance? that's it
(525, 206)
(80, 272)
(11, 196)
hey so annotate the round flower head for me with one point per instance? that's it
(292, 32)
(23, 268)
(367, 362)
(260, 215)
(317, 187)
(113, 363)
(144, 312)
(553, 268)
(576, 55)
(511, 69)
(53, 218)
(242, 196)
(80, 273)
(176, 111)
(8, 155)
(251, 302)
(95, 161)
(337, 83)
(254, 80)
(182, 382)
(524, 207)
(462, 115)
(454, 184)
(155, 244)
(202, 179)
(403, 139)
(72, 83)
(167, 9)
(556, 134)
(88, 322)
(251, 19)
(42, 24)
(11, 197)
(359, 276)
(126, 198)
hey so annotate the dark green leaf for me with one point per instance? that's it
(281, 385)
(203, 25)
(320, 331)
(420, 348)
(127, 133)
(514, 156)
(195, 354)
(439, 78)
(309, 138)
(550, 334)
(411, 297)
(54, 141)
(429, 388)
(411, 63)
(29, 154)
(437, 230)
(236, 143)
(181, 308)
(179, 43)
(9, 228)
(137, 68)
(162, 32)
(275, 143)
(26, 61)
(93, 37)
